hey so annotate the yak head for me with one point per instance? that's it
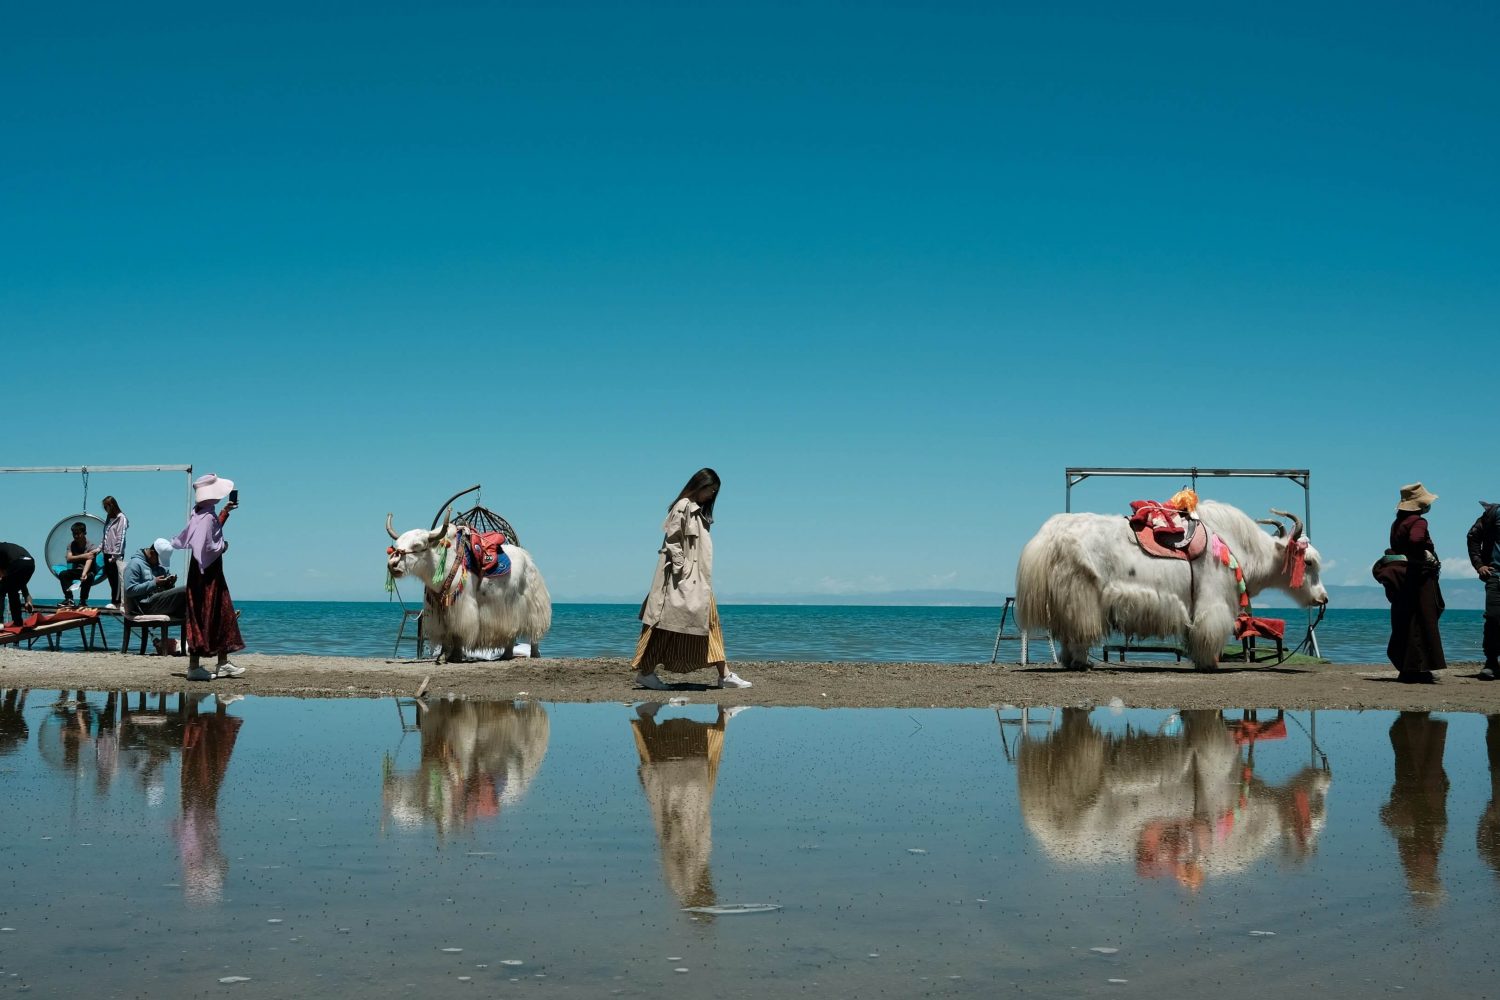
(417, 552)
(1301, 566)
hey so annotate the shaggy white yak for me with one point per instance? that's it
(1083, 575)
(492, 613)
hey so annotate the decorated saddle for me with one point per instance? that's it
(484, 553)
(1169, 530)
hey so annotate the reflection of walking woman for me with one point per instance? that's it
(1416, 646)
(680, 629)
(210, 621)
(679, 768)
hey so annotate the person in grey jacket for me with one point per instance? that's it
(150, 584)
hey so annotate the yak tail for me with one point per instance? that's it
(1057, 592)
(538, 607)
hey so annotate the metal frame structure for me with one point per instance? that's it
(87, 469)
(1302, 477)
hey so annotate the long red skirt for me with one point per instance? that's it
(212, 627)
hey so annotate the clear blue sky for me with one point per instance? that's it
(888, 268)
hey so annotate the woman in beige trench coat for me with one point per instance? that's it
(680, 629)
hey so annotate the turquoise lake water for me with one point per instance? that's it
(174, 845)
(779, 632)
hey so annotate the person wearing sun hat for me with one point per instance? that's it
(210, 624)
(1416, 646)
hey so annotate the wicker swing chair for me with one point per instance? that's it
(55, 551)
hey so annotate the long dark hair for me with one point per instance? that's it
(702, 479)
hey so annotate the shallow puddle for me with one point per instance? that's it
(275, 847)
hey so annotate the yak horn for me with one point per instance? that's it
(1280, 528)
(390, 530)
(440, 532)
(1297, 526)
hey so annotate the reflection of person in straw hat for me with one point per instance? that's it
(1416, 646)
(679, 768)
(477, 757)
(1417, 814)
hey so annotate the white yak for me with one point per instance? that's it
(462, 612)
(1083, 575)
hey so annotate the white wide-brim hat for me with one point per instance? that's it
(211, 487)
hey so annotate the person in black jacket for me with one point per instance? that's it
(16, 567)
(1484, 554)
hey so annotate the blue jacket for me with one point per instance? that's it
(140, 577)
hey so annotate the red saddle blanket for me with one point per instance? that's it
(1167, 532)
(483, 553)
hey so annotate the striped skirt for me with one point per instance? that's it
(678, 652)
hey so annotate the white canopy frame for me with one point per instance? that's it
(1302, 477)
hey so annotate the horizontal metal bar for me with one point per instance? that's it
(101, 468)
(1213, 473)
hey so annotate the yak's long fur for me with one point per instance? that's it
(1083, 576)
(493, 613)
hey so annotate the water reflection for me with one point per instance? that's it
(1417, 814)
(477, 757)
(13, 728)
(207, 743)
(1488, 837)
(1183, 801)
(678, 772)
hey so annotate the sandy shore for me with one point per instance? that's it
(844, 685)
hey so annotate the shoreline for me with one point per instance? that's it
(785, 684)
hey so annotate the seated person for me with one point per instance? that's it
(80, 569)
(150, 585)
(16, 567)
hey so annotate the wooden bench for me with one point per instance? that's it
(87, 625)
(1122, 648)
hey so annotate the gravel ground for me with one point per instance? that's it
(843, 685)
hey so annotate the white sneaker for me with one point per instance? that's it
(111, 607)
(733, 680)
(199, 674)
(229, 670)
(652, 681)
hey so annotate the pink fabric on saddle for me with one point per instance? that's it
(1157, 527)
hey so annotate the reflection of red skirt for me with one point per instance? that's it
(211, 625)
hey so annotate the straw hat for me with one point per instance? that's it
(211, 487)
(1414, 496)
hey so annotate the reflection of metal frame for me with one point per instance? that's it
(1302, 477)
(1021, 722)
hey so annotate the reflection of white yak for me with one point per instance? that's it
(1083, 575)
(461, 612)
(1182, 805)
(476, 758)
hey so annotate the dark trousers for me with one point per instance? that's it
(80, 573)
(164, 602)
(1492, 619)
(113, 567)
(16, 579)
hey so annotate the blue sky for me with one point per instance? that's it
(888, 268)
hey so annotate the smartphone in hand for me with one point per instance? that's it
(234, 495)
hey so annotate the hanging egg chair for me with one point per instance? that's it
(55, 552)
(477, 518)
